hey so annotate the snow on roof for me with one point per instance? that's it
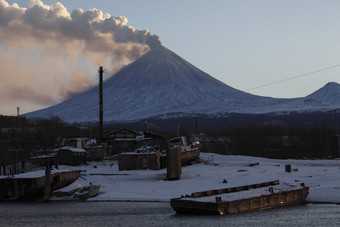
(52, 155)
(131, 139)
(73, 149)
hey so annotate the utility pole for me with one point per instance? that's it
(47, 180)
(101, 71)
(178, 129)
(196, 127)
(337, 131)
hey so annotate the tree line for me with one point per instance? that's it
(272, 141)
(275, 141)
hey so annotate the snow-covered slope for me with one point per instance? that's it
(327, 97)
(161, 83)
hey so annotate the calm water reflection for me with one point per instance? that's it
(156, 214)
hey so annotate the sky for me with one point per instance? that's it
(245, 44)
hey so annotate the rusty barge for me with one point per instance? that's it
(241, 199)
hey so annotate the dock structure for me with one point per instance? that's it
(240, 199)
(24, 186)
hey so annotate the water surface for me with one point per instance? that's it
(156, 214)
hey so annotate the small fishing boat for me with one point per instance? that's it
(86, 192)
(241, 199)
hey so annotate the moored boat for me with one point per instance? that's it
(189, 153)
(86, 192)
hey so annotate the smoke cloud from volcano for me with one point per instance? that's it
(47, 53)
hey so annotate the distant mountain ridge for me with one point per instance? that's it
(161, 83)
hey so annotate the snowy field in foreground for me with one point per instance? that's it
(322, 177)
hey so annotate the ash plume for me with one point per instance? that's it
(48, 53)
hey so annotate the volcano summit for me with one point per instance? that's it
(162, 84)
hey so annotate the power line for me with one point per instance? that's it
(294, 77)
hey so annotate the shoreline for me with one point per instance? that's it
(122, 201)
(217, 172)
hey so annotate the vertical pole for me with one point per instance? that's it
(15, 163)
(196, 126)
(337, 131)
(3, 166)
(101, 71)
(47, 181)
(178, 129)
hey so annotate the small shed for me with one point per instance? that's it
(71, 156)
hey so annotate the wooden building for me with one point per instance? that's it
(122, 140)
(125, 140)
(71, 156)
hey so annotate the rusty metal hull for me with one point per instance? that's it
(132, 161)
(189, 156)
(188, 205)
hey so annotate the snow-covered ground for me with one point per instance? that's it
(322, 177)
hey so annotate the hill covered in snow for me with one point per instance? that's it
(162, 84)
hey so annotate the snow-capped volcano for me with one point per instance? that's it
(162, 83)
